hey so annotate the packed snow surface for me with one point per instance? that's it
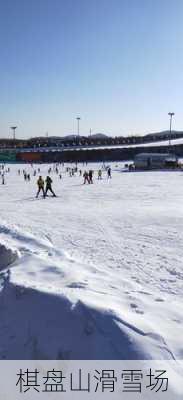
(95, 273)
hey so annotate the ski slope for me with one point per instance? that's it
(95, 273)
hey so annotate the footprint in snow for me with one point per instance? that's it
(133, 305)
(136, 309)
(76, 285)
(177, 321)
(146, 293)
(159, 300)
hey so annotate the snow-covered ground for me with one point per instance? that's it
(95, 273)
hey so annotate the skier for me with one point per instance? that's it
(109, 172)
(49, 186)
(100, 174)
(86, 177)
(40, 183)
(90, 176)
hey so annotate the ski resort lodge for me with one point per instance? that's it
(155, 161)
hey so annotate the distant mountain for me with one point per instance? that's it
(72, 137)
(164, 133)
(94, 136)
(67, 137)
(99, 136)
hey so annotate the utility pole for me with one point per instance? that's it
(78, 120)
(14, 129)
(171, 114)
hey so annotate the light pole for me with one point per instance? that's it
(78, 119)
(171, 114)
(14, 129)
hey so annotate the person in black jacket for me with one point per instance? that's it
(90, 174)
(109, 172)
(48, 181)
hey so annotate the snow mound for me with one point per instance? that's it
(7, 256)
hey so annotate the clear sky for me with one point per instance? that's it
(118, 64)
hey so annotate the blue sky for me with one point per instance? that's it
(118, 64)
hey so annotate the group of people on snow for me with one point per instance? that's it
(45, 186)
(88, 176)
(3, 171)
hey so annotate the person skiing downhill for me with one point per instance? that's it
(40, 183)
(49, 186)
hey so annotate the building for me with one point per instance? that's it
(155, 161)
